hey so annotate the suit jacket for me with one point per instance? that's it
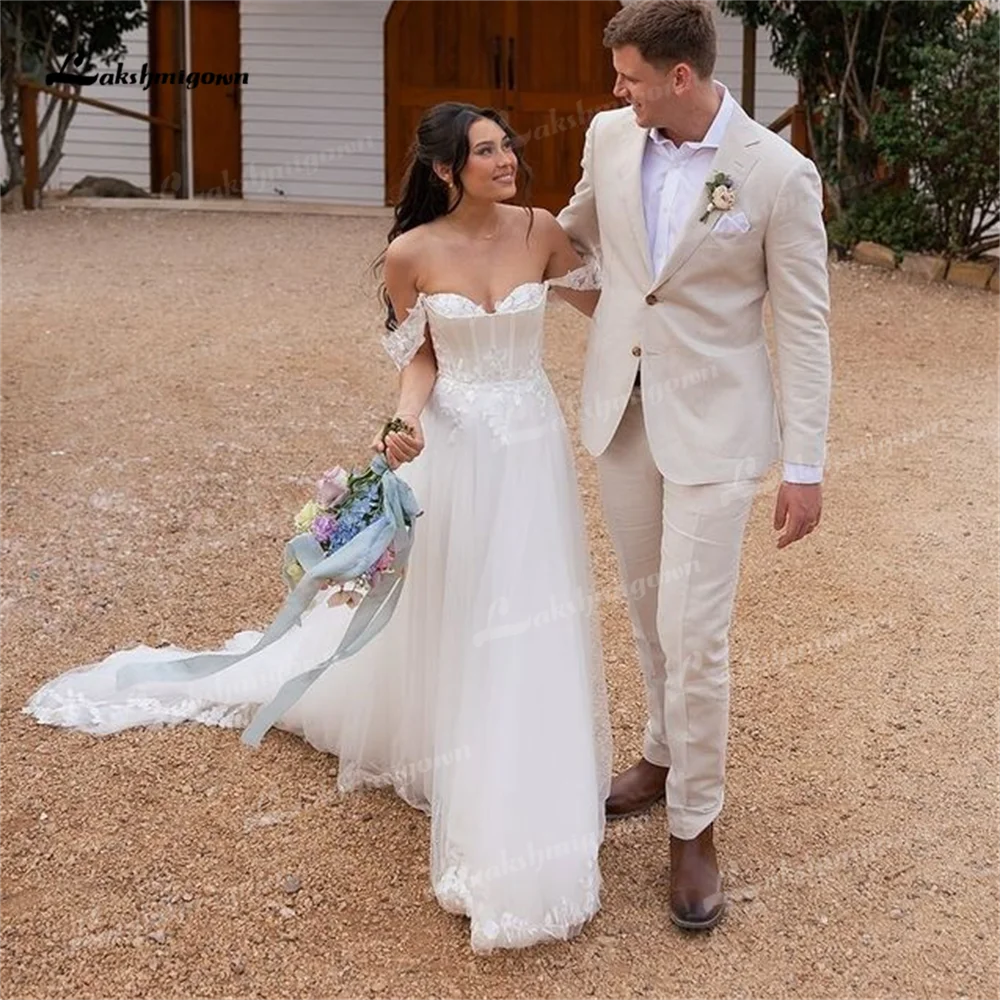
(708, 394)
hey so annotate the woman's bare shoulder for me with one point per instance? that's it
(545, 223)
(543, 216)
(407, 246)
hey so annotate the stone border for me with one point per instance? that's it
(982, 273)
(60, 200)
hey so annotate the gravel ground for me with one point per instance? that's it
(172, 383)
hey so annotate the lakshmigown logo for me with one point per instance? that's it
(120, 78)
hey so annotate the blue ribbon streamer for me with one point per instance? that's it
(395, 525)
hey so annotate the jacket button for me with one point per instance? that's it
(636, 351)
(651, 299)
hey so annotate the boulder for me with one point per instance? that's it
(13, 200)
(874, 254)
(106, 187)
(972, 273)
(924, 266)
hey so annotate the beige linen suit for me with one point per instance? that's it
(679, 458)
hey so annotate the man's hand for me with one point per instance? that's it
(400, 447)
(798, 511)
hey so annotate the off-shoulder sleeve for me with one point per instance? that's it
(403, 343)
(586, 277)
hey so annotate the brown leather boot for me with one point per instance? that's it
(697, 901)
(636, 789)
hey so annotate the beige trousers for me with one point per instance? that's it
(678, 551)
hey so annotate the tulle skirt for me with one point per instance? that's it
(482, 702)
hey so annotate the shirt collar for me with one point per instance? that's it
(713, 137)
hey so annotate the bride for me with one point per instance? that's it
(482, 701)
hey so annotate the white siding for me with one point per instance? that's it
(774, 92)
(101, 142)
(313, 118)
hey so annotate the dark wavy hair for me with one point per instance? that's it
(442, 137)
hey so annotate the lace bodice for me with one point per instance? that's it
(473, 345)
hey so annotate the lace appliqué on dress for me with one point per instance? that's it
(54, 707)
(585, 278)
(562, 919)
(496, 402)
(522, 297)
(403, 343)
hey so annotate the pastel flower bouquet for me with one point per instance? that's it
(345, 504)
(342, 514)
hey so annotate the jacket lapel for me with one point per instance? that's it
(736, 156)
(633, 148)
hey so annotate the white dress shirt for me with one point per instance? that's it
(673, 181)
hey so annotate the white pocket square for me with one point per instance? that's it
(733, 222)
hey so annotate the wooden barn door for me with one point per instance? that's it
(166, 54)
(558, 69)
(437, 50)
(541, 62)
(215, 108)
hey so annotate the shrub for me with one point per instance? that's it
(847, 55)
(900, 219)
(947, 133)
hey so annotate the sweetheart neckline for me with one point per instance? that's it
(479, 305)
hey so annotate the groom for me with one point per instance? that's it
(698, 213)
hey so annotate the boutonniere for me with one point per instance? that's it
(721, 196)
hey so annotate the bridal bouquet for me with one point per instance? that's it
(345, 504)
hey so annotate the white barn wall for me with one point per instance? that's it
(313, 111)
(775, 91)
(104, 143)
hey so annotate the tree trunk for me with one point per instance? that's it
(9, 110)
(65, 116)
(15, 171)
(8, 131)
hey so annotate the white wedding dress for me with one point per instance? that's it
(482, 702)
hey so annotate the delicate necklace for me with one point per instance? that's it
(496, 229)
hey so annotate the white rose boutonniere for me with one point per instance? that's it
(721, 196)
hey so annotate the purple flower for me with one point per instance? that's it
(323, 528)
